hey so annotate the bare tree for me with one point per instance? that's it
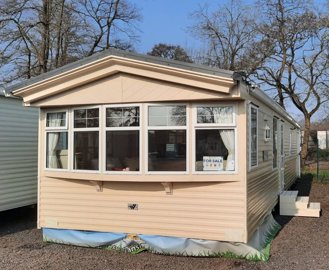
(37, 36)
(106, 22)
(230, 34)
(170, 52)
(298, 68)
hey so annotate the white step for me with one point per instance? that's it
(313, 210)
(288, 196)
(302, 202)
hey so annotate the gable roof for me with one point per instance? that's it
(114, 61)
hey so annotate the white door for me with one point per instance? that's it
(281, 157)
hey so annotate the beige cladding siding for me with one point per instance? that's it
(18, 154)
(290, 173)
(262, 194)
(213, 211)
(124, 88)
(262, 180)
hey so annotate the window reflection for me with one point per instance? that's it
(167, 150)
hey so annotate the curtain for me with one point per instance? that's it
(54, 120)
(224, 115)
(228, 140)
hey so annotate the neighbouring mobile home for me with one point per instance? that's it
(141, 145)
(18, 153)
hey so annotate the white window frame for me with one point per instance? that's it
(57, 111)
(252, 106)
(73, 130)
(53, 130)
(146, 131)
(139, 128)
(219, 104)
(203, 126)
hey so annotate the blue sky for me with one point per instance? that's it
(167, 21)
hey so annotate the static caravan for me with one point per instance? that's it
(18, 153)
(162, 150)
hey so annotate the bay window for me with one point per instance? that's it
(142, 138)
(167, 138)
(214, 138)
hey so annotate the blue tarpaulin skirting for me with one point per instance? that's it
(256, 248)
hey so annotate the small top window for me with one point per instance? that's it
(215, 115)
(122, 117)
(167, 116)
(86, 118)
(56, 120)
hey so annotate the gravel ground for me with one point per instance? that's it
(303, 243)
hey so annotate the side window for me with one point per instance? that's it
(56, 140)
(166, 138)
(86, 139)
(122, 139)
(214, 138)
(253, 136)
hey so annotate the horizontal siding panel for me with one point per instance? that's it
(290, 172)
(198, 210)
(149, 204)
(234, 203)
(18, 154)
(18, 192)
(141, 217)
(19, 202)
(262, 190)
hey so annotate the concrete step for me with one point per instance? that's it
(288, 196)
(312, 210)
(302, 202)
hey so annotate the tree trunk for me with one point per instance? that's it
(307, 130)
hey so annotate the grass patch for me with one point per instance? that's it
(323, 176)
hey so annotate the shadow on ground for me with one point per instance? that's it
(16, 220)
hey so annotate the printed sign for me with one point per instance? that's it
(213, 163)
(170, 147)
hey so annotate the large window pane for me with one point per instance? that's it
(215, 114)
(56, 119)
(122, 116)
(84, 118)
(86, 150)
(122, 150)
(167, 150)
(215, 150)
(57, 150)
(167, 115)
